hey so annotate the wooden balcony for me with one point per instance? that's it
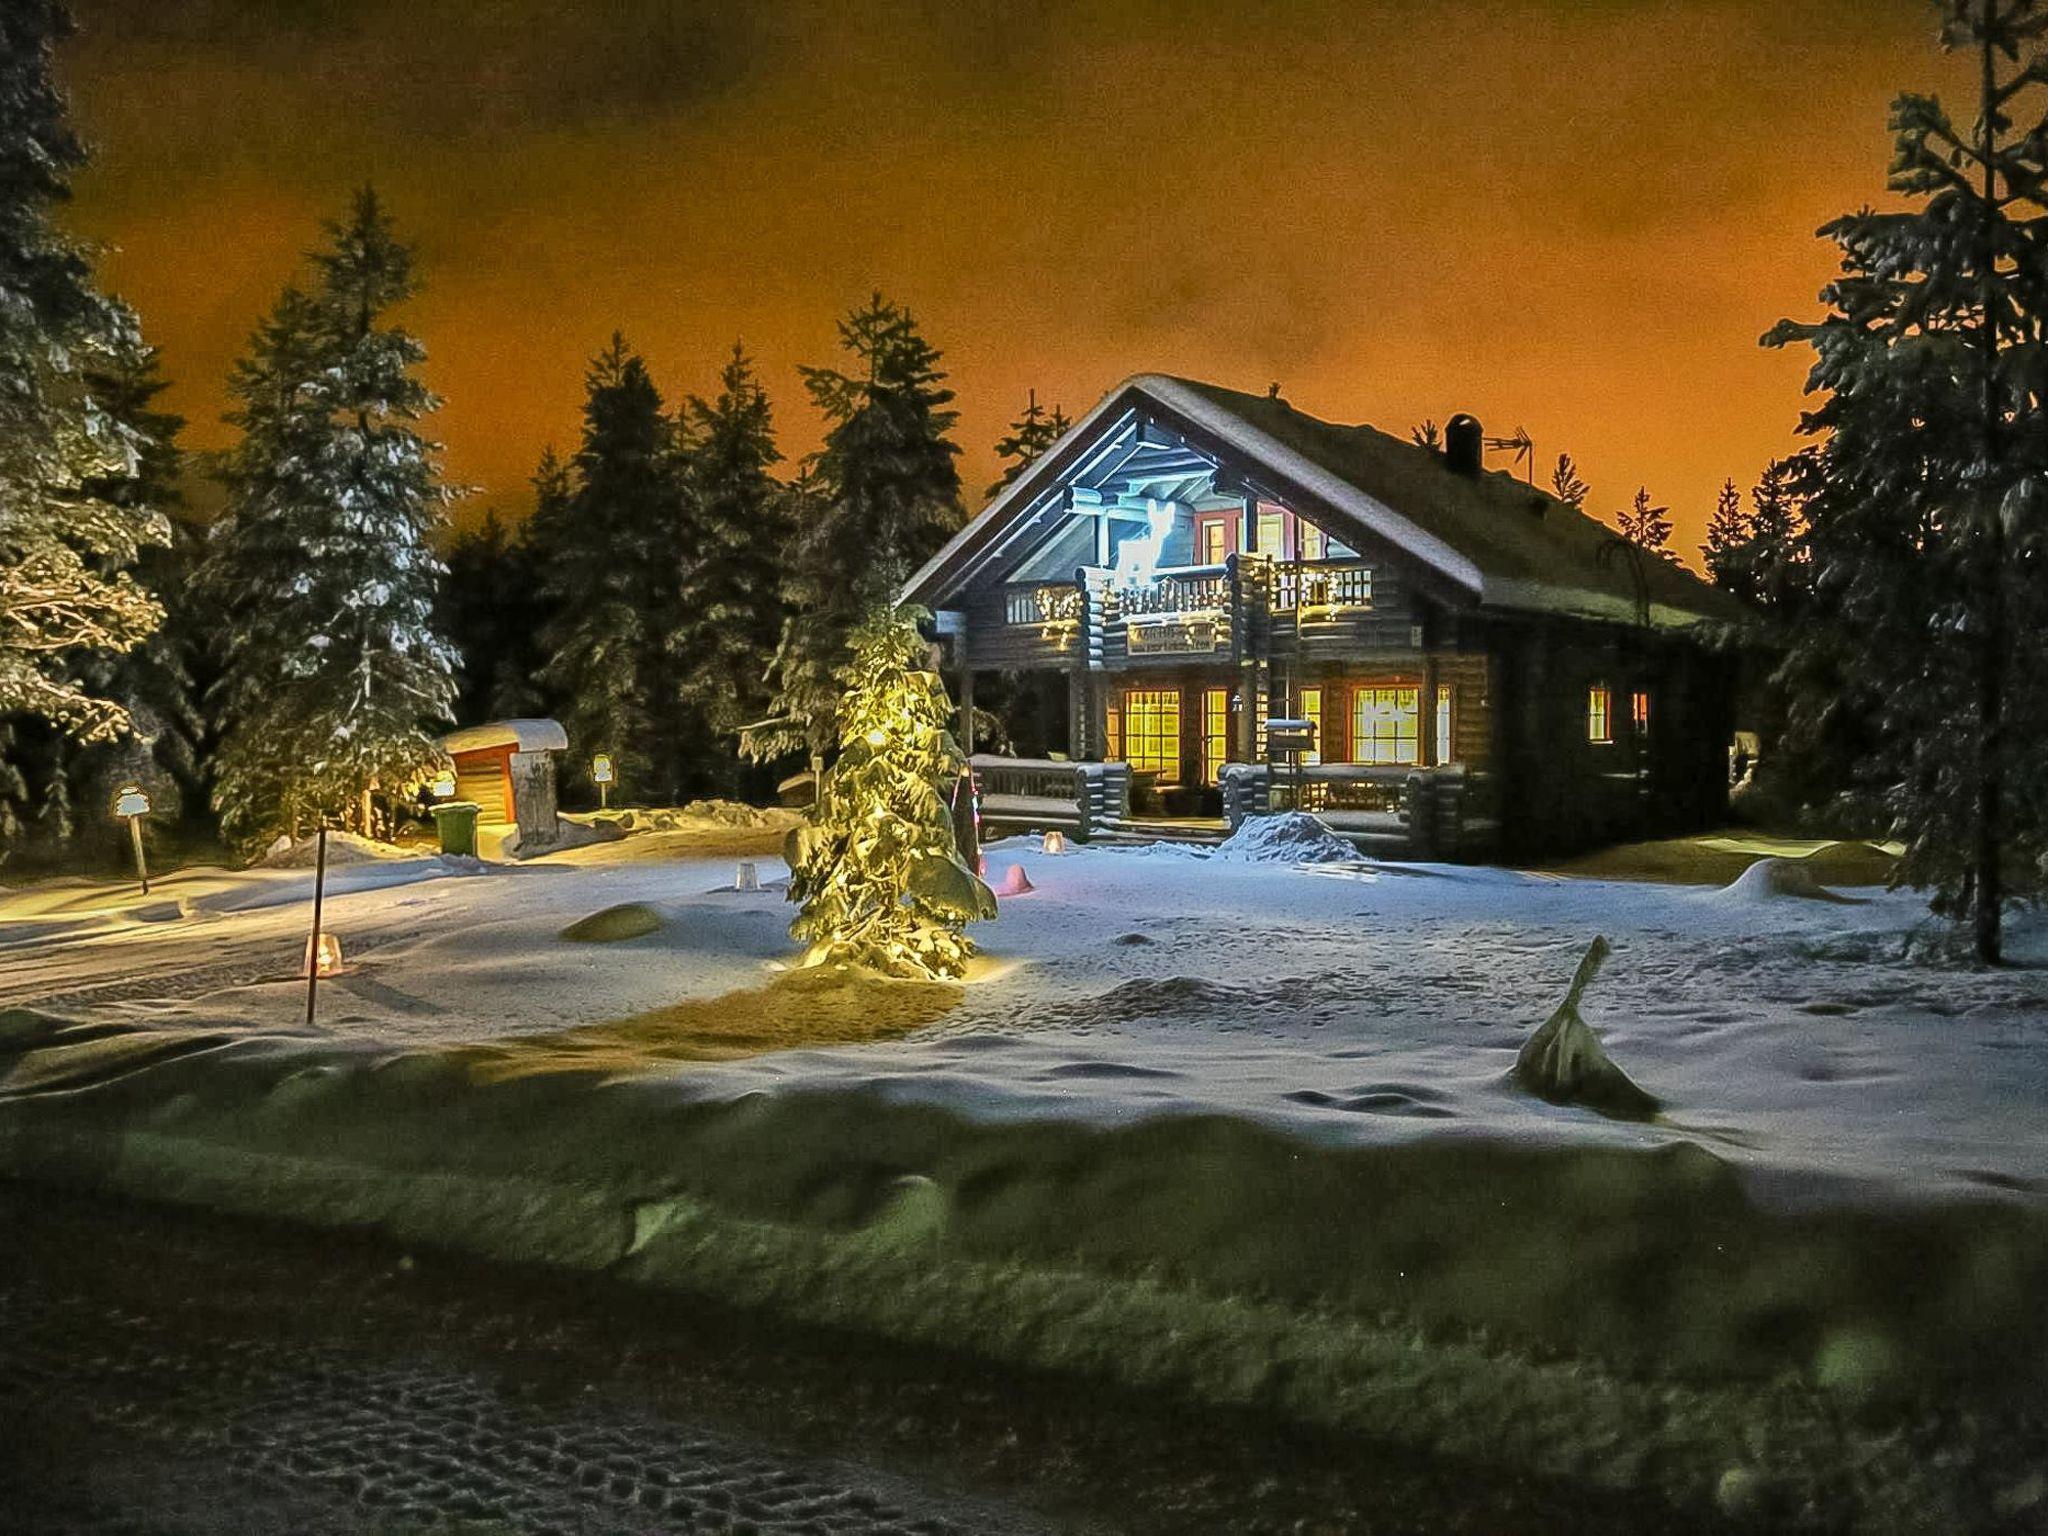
(1397, 810)
(1023, 794)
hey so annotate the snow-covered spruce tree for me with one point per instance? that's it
(1647, 527)
(877, 501)
(66, 551)
(878, 871)
(1036, 430)
(1925, 504)
(609, 570)
(731, 611)
(321, 568)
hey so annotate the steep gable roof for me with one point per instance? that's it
(1504, 543)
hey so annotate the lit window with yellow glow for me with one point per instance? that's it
(1599, 713)
(1639, 711)
(1310, 539)
(1385, 724)
(1312, 712)
(1152, 732)
(1212, 539)
(1272, 534)
(1446, 718)
(1113, 736)
(1215, 732)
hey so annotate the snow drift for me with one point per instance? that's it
(1629, 1317)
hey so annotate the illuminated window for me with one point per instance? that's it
(1151, 732)
(1310, 538)
(1214, 535)
(1445, 719)
(1599, 713)
(1215, 732)
(1312, 712)
(1639, 711)
(1272, 532)
(1385, 724)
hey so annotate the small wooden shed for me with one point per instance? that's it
(507, 768)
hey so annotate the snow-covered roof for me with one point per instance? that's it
(1502, 542)
(519, 735)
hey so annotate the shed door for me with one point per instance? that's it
(482, 779)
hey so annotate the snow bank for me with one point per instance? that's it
(342, 848)
(1290, 837)
(1772, 880)
(1644, 1322)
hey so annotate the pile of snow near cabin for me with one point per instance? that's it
(1291, 837)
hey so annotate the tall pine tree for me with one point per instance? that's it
(1925, 512)
(333, 677)
(1647, 527)
(731, 611)
(1036, 430)
(882, 496)
(610, 557)
(490, 612)
(1566, 484)
(1728, 542)
(66, 550)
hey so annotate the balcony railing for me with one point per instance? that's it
(1042, 603)
(1327, 587)
(1200, 591)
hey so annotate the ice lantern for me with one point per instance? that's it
(1055, 842)
(323, 957)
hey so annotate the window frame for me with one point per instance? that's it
(1160, 746)
(1364, 734)
(1599, 715)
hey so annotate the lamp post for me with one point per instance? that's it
(132, 803)
(601, 774)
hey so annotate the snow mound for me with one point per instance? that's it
(1565, 1063)
(628, 920)
(342, 848)
(1291, 837)
(732, 813)
(1769, 880)
(567, 834)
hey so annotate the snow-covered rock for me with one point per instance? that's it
(1771, 880)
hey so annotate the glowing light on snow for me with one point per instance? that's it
(746, 877)
(1137, 559)
(1055, 842)
(324, 958)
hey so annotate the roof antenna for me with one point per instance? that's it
(1273, 391)
(1521, 445)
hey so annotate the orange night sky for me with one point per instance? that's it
(1571, 215)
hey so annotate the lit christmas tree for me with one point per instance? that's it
(879, 872)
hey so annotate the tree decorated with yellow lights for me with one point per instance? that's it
(878, 871)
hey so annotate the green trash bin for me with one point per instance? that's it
(455, 820)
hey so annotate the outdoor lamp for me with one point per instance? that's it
(132, 803)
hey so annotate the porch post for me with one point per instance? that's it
(1425, 735)
(967, 710)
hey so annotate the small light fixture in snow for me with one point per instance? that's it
(323, 956)
(1016, 882)
(746, 877)
(132, 803)
(1055, 842)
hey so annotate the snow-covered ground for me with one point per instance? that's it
(1829, 1050)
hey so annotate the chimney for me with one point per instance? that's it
(1464, 444)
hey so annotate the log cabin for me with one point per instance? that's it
(1453, 663)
